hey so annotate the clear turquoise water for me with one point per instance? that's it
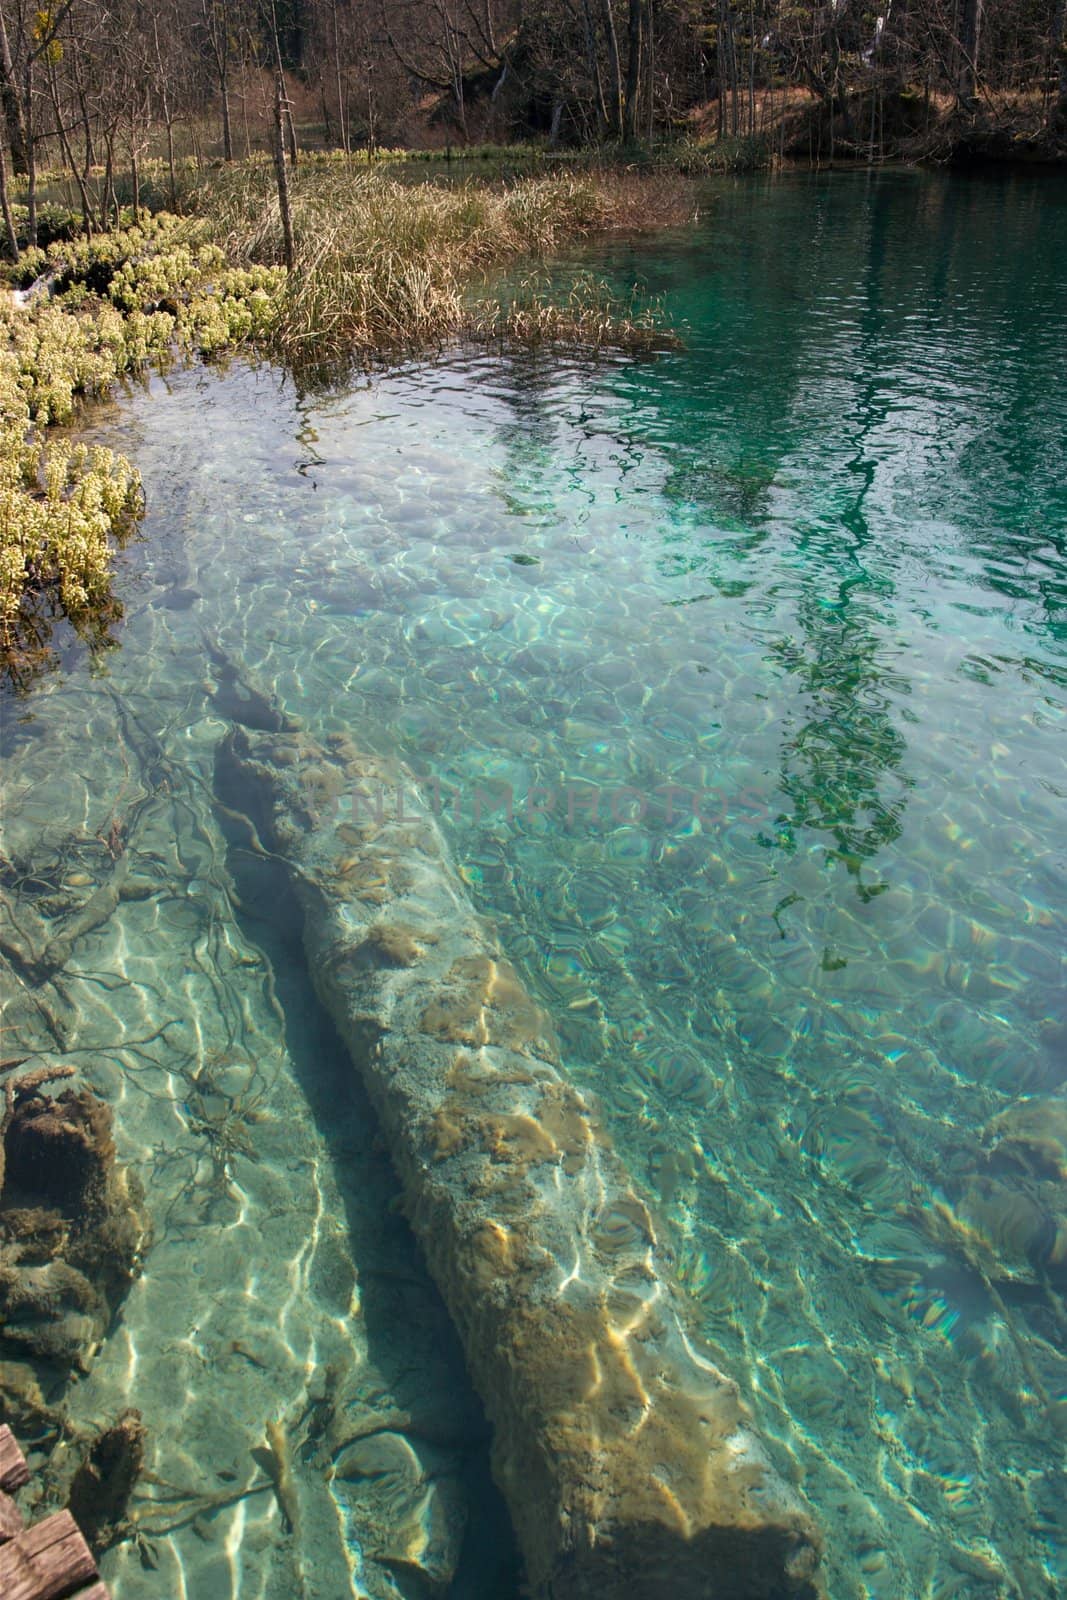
(810, 569)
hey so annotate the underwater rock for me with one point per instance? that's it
(408, 1502)
(105, 1480)
(1016, 1231)
(626, 1457)
(72, 1227)
(1009, 1221)
(177, 599)
(23, 1403)
(1032, 1134)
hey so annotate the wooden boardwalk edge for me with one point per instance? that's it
(50, 1561)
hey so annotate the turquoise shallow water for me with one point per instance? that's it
(765, 642)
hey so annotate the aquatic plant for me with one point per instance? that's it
(590, 315)
(224, 1122)
(109, 306)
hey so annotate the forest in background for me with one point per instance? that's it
(103, 84)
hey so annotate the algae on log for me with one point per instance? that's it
(626, 1457)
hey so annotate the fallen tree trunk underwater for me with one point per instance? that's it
(626, 1457)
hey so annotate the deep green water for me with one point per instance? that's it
(768, 640)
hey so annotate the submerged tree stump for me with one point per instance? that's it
(50, 1561)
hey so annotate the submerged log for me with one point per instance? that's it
(626, 1457)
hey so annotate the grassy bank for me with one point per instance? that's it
(383, 268)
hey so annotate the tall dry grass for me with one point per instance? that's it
(384, 266)
(589, 316)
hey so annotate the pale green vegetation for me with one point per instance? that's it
(382, 268)
(121, 302)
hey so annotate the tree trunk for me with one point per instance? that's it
(109, 205)
(372, 115)
(624, 1454)
(168, 118)
(12, 106)
(635, 32)
(87, 129)
(31, 159)
(650, 70)
(338, 78)
(227, 132)
(5, 207)
(290, 132)
(615, 119)
(1058, 113)
(170, 165)
(283, 127)
(593, 64)
(454, 54)
(720, 74)
(727, 68)
(81, 179)
(280, 171)
(135, 175)
(970, 42)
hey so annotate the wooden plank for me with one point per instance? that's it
(13, 1469)
(49, 1562)
(10, 1519)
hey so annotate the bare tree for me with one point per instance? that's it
(12, 99)
(270, 18)
(970, 41)
(217, 22)
(5, 205)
